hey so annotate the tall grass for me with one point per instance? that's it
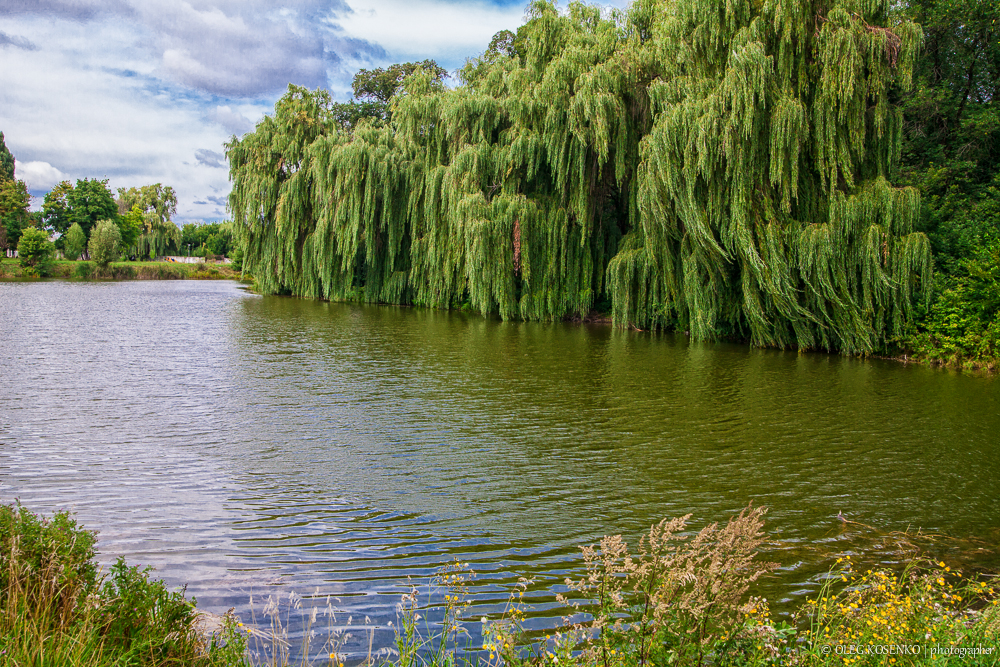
(680, 600)
(684, 600)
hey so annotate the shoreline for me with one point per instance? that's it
(84, 271)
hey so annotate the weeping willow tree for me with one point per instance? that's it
(156, 203)
(722, 168)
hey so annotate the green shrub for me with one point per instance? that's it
(35, 250)
(74, 242)
(83, 270)
(236, 255)
(56, 610)
(48, 561)
(962, 327)
(105, 243)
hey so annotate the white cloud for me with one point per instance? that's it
(232, 121)
(418, 29)
(232, 48)
(39, 175)
(210, 158)
(17, 42)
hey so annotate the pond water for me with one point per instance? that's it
(254, 446)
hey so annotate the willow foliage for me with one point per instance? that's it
(719, 167)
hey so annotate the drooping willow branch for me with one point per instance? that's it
(717, 167)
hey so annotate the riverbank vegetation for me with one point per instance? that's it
(682, 599)
(57, 609)
(781, 173)
(88, 270)
(951, 153)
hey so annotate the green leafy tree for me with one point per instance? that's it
(721, 168)
(951, 149)
(105, 243)
(374, 91)
(56, 210)
(382, 84)
(89, 202)
(35, 250)
(14, 200)
(157, 204)
(14, 214)
(220, 242)
(131, 224)
(6, 161)
(951, 152)
(212, 238)
(74, 241)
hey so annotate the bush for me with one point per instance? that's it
(74, 242)
(962, 327)
(105, 243)
(237, 259)
(49, 562)
(83, 270)
(35, 250)
(56, 610)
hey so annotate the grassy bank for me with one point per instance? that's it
(682, 599)
(11, 269)
(57, 609)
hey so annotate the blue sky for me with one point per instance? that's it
(146, 91)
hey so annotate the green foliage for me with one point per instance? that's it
(236, 255)
(56, 212)
(83, 270)
(90, 201)
(719, 168)
(215, 238)
(14, 215)
(14, 201)
(142, 613)
(375, 89)
(74, 242)
(156, 200)
(35, 250)
(962, 327)
(6, 161)
(131, 225)
(55, 609)
(156, 204)
(951, 152)
(49, 560)
(105, 243)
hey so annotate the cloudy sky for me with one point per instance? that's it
(146, 91)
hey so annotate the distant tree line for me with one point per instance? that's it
(90, 222)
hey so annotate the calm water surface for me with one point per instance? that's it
(258, 446)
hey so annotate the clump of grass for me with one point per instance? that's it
(674, 601)
(83, 270)
(56, 608)
(272, 645)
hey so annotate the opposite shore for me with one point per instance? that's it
(11, 270)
